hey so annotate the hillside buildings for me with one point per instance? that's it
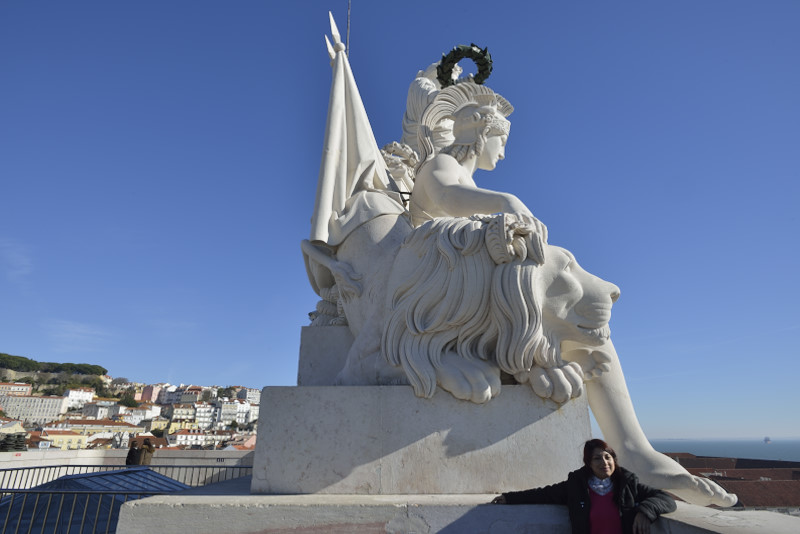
(77, 398)
(188, 416)
(33, 410)
(15, 388)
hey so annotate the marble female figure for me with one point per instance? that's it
(444, 184)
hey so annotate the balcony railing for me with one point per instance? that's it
(63, 512)
(191, 475)
(26, 509)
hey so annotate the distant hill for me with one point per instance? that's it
(20, 364)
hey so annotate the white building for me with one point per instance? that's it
(251, 395)
(76, 398)
(228, 411)
(198, 438)
(135, 416)
(15, 388)
(169, 394)
(204, 414)
(33, 410)
(253, 416)
(98, 410)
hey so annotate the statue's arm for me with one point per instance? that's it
(441, 187)
(613, 409)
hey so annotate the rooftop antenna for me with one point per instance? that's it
(347, 40)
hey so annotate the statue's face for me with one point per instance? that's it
(493, 151)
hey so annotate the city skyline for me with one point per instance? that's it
(158, 164)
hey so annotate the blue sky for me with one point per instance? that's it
(158, 162)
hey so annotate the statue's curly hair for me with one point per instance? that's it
(447, 103)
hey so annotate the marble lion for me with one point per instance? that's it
(468, 303)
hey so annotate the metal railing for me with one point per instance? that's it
(63, 512)
(191, 475)
(26, 509)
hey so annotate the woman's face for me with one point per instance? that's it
(493, 151)
(602, 464)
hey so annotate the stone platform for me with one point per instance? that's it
(383, 440)
(197, 513)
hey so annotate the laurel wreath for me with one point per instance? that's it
(482, 59)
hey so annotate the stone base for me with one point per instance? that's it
(323, 353)
(382, 440)
(397, 514)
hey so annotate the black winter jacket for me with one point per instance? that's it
(631, 497)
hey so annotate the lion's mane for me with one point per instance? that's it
(457, 299)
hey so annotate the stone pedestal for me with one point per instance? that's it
(232, 513)
(323, 351)
(382, 440)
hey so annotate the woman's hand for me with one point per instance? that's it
(641, 524)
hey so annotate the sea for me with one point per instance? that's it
(757, 449)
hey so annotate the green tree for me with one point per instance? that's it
(18, 363)
(128, 400)
(226, 392)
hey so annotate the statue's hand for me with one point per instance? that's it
(539, 227)
(533, 232)
(557, 383)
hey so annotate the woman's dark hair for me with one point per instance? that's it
(593, 444)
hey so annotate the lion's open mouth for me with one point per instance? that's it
(603, 332)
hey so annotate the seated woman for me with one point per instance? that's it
(443, 185)
(601, 496)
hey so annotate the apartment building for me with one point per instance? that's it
(77, 398)
(150, 393)
(251, 395)
(204, 414)
(33, 410)
(62, 439)
(98, 410)
(90, 427)
(198, 439)
(15, 388)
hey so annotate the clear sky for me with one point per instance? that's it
(158, 162)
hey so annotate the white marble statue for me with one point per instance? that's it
(460, 291)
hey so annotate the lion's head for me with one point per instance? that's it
(457, 298)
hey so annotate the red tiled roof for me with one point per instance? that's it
(703, 462)
(59, 433)
(770, 493)
(748, 474)
(90, 422)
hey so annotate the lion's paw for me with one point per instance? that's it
(702, 491)
(473, 380)
(557, 383)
